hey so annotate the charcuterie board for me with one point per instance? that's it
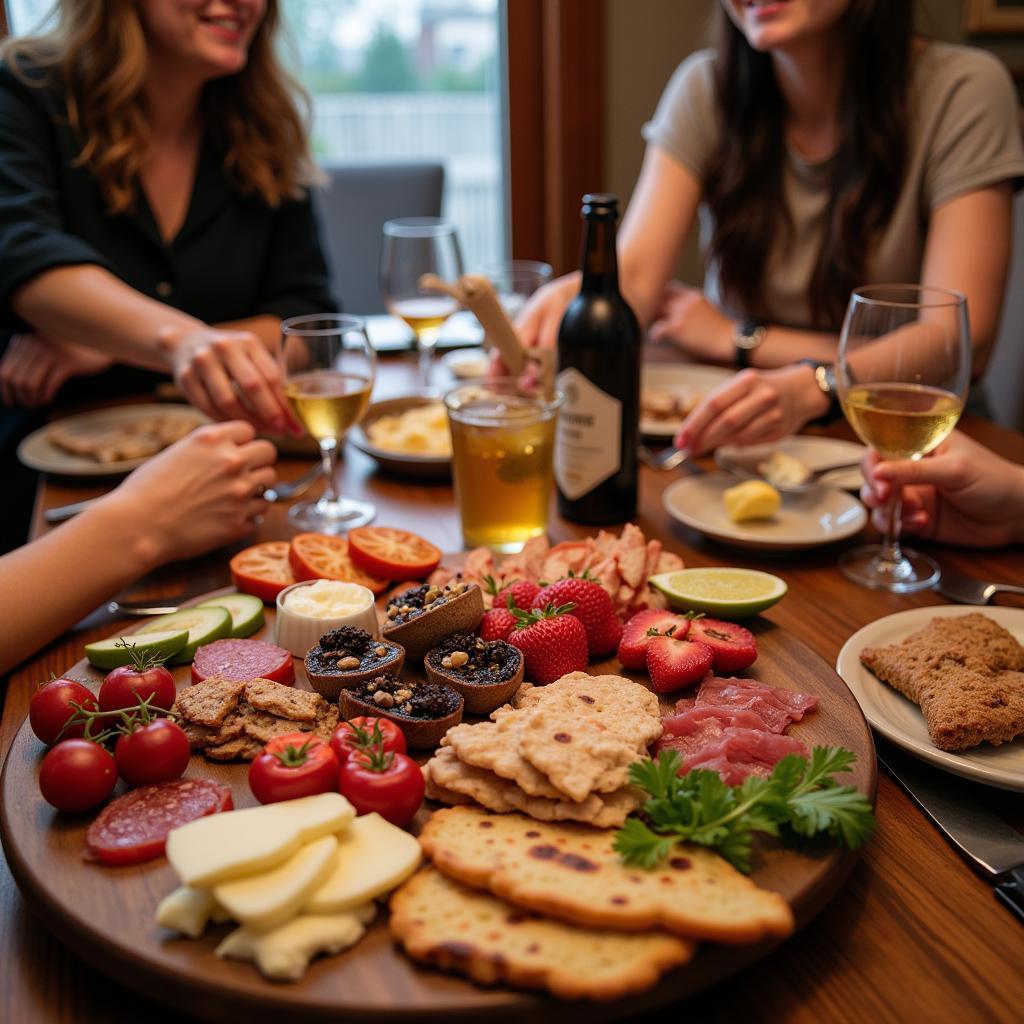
(106, 914)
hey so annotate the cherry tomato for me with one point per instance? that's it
(124, 686)
(77, 775)
(320, 556)
(360, 733)
(51, 708)
(388, 783)
(392, 554)
(296, 764)
(263, 570)
(157, 752)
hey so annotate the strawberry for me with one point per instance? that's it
(673, 664)
(517, 594)
(497, 624)
(593, 607)
(553, 642)
(636, 634)
(732, 646)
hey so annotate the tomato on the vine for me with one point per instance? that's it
(77, 775)
(144, 677)
(390, 784)
(51, 707)
(156, 751)
(364, 732)
(293, 765)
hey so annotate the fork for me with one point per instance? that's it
(280, 492)
(964, 590)
(734, 467)
(667, 459)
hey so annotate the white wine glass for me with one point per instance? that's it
(328, 367)
(412, 247)
(903, 368)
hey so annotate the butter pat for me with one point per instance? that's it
(222, 847)
(186, 910)
(269, 899)
(753, 499)
(285, 952)
(373, 858)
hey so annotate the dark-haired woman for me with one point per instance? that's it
(822, 147)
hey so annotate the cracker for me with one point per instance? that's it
(449, 774)
(966, 673)
(262, 726)
(243, 748)
(326, 721)
(572, 872)
(283, 701)
(440, 922)
(209, 702)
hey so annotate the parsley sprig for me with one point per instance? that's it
(801, 797)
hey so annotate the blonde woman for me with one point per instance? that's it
(154, 207)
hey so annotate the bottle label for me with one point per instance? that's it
(588, 448)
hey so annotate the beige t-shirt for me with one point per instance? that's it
(964, 136)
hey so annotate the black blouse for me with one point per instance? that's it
(234, 256)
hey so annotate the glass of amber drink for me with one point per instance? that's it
(503, 437)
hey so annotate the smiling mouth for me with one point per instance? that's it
(229, 24)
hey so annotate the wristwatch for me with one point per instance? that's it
(825, 378)
(747, 335)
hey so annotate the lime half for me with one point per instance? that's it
(723, 592)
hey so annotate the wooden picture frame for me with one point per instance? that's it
(1004, 16)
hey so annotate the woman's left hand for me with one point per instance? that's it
(752, 407)
(693, 324)
(34, 368)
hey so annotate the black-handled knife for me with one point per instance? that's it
(958, 809)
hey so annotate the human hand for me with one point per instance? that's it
(34, 368)
(752, 407)
(693, 324)
(961, 494)
(229, 375)
(200, 493)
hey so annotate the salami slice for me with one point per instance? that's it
(243, 660)
(134, 827)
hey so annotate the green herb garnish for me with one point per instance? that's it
(801, 797)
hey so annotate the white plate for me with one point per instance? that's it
(816, 452)
(807, 520)
(901, 721)
(467, 363)
(683, 379)
(37, 451)
(389, 334)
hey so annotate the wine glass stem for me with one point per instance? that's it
(329, 457)
(890, 552)
(426, 340)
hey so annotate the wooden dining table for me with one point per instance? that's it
(914, 935)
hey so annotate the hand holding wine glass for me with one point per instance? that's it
(903, 368)
(414, 246)
(328, 366)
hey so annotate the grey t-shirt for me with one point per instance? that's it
(964, 136)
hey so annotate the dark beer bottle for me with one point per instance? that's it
(599, 374)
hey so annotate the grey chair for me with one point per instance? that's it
(353, 206)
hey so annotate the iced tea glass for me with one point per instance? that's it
(503, 437)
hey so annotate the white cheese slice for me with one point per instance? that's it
(221, 847)
(285, 952)
(186, 910)
(373, 858)
(270, 898)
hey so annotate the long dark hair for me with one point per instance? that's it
(744, 184)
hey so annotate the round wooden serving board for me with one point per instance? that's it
(106, 914)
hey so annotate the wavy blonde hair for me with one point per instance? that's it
(99, 49)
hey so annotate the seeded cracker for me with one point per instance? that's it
(210, 702)
(440, 922)
(284, 701)
(572, 872)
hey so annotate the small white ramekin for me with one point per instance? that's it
(298, 633)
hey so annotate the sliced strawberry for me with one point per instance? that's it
(636, 634)
(733, 647)
(673, 664)
(497, 624)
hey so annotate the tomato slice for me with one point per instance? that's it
(320, 556)
(394, 554)
(263, 570)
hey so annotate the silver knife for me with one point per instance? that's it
(992, 847)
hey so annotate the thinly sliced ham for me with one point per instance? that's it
(738, 753)
(777, 707)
